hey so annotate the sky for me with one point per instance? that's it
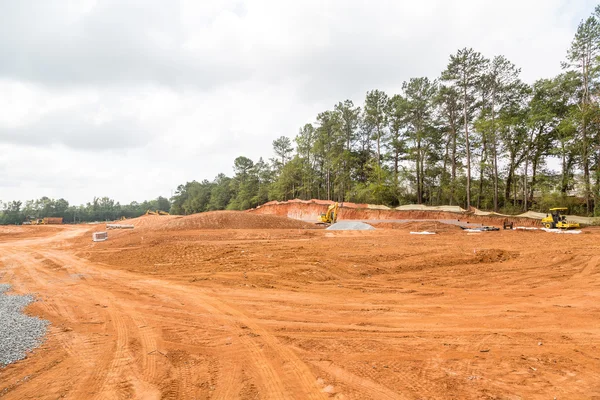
(130, 98)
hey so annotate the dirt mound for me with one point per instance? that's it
(494, 255)
(234, 220)
(149, 221)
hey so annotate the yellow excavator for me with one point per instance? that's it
(330, 217)
(556, 220)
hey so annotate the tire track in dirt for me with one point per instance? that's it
(108, 365)
(304, 381)
(227, 388)
(79, 349)
(375, 390)
(589, 268)
(303, 376)
(94, 356)
(123, 372)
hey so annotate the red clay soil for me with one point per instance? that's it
(12, 232)
(309, 211)
(235, 220)
(307, 314)
(417, 226)
(217, 220)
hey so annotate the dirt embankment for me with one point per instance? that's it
(235, 220)
(12, 232)
(217, 220)
(159, 227)
(310, 211)
(417, 226)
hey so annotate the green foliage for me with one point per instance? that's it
(99, 209)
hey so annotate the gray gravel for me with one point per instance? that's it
(19, 333)
(350, 226)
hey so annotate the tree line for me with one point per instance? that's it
(100, 209)
(476, 135)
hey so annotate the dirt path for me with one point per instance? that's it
(119, 335)
(227, 315)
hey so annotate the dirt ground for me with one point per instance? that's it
(301, 313)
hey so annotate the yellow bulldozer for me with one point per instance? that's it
(556, 220)
(330, 217)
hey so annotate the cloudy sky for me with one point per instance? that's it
(128, 99)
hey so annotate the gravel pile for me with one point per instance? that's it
(350, 226)
(19, 333)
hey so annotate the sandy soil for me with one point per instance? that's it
(307, 314)
(310, 211)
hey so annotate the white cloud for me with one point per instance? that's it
(131, 98)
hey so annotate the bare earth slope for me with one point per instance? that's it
(307, 314)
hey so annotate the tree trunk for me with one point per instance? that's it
(453, 180)
(481, 168)
(444, 171)
(534, 165)
(396, 163)
(468, 146)
(495, 152)
(418, 165)
(422, 157)
(585, 157)
(515, 181)
(564, 184)
(525, 205)
(378, 155)
(597, 191)
(509, 180)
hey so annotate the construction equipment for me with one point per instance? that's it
(52, 221)
(479, 228)
(507, 224)
(330, 217)
(556, 220)
(157, 212)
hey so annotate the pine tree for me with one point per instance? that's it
(465, 70)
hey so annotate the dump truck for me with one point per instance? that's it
(557, 220)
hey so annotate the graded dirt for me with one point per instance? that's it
(170, 310)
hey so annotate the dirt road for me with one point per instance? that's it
(293, 314)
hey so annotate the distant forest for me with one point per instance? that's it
(100, 209)
(476, 135)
